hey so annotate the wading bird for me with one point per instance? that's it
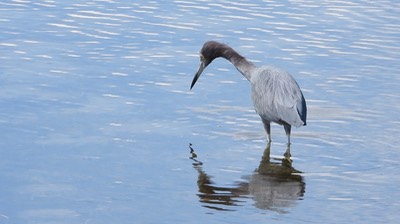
(276, 95)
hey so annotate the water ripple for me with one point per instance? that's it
(110, 80)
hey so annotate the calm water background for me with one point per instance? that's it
(97, 116)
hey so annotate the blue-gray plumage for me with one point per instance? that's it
(276, 95)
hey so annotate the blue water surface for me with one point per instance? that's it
(96, 115)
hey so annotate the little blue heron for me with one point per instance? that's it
(276, 95)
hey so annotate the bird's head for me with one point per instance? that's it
(210, 51)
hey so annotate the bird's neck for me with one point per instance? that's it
(242, 64)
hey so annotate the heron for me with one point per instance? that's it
(275, 93)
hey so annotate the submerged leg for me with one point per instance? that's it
(287, 154)
(267, 154)
(267, 127)
(286, 160)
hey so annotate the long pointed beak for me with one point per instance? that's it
(198, 73)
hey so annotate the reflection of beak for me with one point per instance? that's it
(198, 73)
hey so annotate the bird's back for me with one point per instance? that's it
(277, 96)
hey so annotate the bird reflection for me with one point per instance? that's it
(275, 185)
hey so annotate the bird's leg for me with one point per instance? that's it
(267, 127)
(287, 131)
(287, 153)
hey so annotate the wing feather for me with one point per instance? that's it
(277, 97)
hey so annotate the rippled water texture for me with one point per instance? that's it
(96, 115)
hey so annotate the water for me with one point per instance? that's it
(97, 116)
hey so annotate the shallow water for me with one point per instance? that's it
(97, 116)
